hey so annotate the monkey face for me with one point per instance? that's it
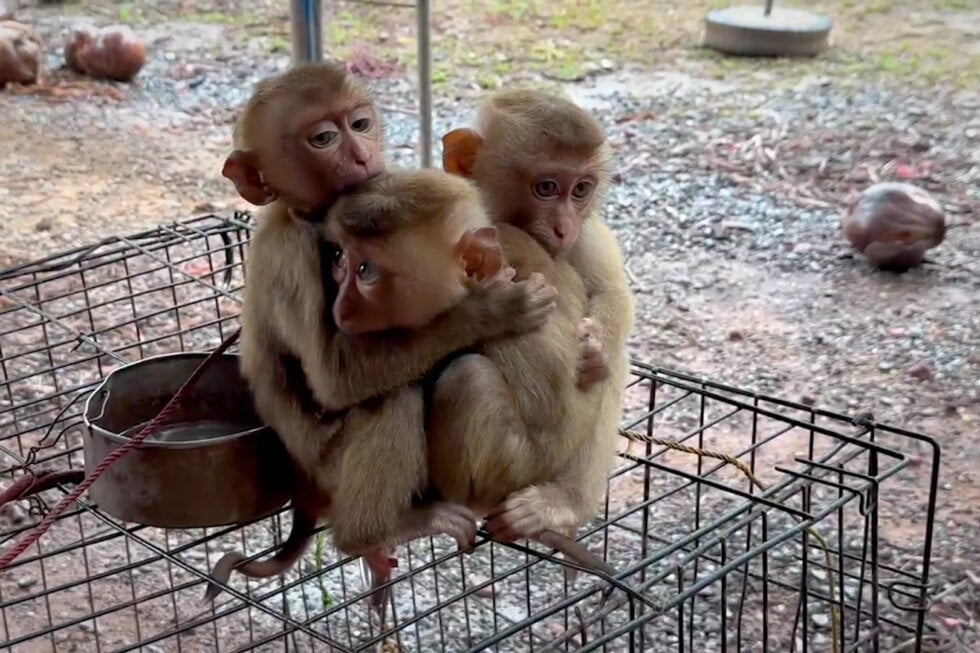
(559, 200)
(398, 283)
(345, 146)
(306, 137)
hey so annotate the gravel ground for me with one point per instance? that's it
(726, 201)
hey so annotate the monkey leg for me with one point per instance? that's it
(478, 445)
(379, 564)
(383, 469)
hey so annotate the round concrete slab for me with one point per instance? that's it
(784, 32)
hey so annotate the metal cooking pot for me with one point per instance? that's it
(215, 463)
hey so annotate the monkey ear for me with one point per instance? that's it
(243, 169)
(459, 150)
(480, 252)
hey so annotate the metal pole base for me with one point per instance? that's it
(784, 32)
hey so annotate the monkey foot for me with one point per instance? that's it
(454, 520)
(380, 563)
(528, 512)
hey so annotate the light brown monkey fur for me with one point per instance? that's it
(542, 164)
(510, 415)
(306, 136)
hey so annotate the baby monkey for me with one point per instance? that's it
(506, 416)
(542, 165)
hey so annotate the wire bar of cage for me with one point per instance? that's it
(178, 287)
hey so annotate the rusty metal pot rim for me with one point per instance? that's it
(121, 438)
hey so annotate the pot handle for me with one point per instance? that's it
(104, 398)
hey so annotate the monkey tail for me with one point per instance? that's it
(304, 527)
(30, 484)
(575, 551)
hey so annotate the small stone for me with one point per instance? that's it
(922, 372)
(383, 36)
(87, 626)
(820, 620)
(735, 335)
(14, 512)
(607, 64)
(808, 400)
(885, 366)
(26, 582)
(45, 224)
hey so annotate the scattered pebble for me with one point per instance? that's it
(921, 371)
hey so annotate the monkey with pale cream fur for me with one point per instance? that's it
(542, 164)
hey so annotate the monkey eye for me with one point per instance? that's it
(582, 189)
(361, 124)
(546, 188)
(323, 138)
(367, 272)
(339, 257)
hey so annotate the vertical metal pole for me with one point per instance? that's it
(422, 11)
(307, 26)
(768, 9)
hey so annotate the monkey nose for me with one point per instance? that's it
(359, 155)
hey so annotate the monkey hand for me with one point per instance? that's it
(526, 513)
(501, 306)
(592, 366)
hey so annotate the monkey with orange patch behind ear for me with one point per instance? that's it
(542, 165)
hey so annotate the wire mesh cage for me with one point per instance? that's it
(790, 543)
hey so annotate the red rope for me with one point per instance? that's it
(32, 536)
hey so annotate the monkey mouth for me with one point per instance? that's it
(350, 184)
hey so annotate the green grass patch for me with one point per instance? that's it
(319, 548)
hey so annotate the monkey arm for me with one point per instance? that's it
(288, 294)
(598, 260)
(541, 365)
(575, 489)
(352, 369)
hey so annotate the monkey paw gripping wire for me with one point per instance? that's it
(33, 482)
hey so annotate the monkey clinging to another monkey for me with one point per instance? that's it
(542, 165)
(506, 417)
(305, 137)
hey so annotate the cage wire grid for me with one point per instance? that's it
(723, 565)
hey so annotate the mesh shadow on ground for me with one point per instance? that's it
(721, 564)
